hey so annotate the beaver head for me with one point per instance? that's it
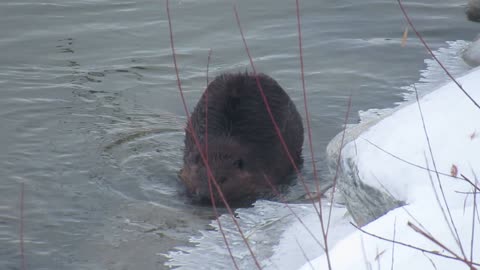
(234, 168)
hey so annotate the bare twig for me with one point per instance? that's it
(420, 37)
(325, 232)
(22, 249)
(431, 238)
(402, 207)
(206, 106)
(438, 243)
(449, 220)
(377, 258)
(305, 103)
(473, 220)
(393, 243)
(202, 155)
(475, 186)
(431, 261)
(208, 64)
(209, 179)
(410, 246)
(421, 167)
(364, 253)
(337, 169)
(282, 199)
(269, 111)
(408, 162)
(404, 37)
(310, 143)
(304, 254)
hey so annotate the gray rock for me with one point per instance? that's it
(363, 202)
(473, 10)
(471, 55)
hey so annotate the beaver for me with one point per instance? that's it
(242, 146)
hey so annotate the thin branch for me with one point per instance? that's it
(282, 199)
(393, 243)
(438, 243)
(408, 162)
(451, 223)
(206, 108)
(409, 246)
(420, 37)
(304, 254)
(431, 261)
(22, 249)
(403, 206)
(208, 64)
(337, 170)
(310, 142)
(269, 111)
(305, 103)
(209, 179)
(473, 221)
(475, 186)
(202, 155)
(431, 238)
(368, 265)
(377, 258)
(421, 167)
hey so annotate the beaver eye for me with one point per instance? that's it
(238, 163)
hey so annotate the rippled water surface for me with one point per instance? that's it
(92, 123)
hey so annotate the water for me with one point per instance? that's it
(92, 123)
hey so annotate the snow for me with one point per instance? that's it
(453, 129)
(471, 55)
(278, 239)
(296, 244)
(449, 118)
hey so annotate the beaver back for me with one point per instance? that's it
(243, 145)
(236, 109)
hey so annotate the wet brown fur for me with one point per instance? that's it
(243, 146)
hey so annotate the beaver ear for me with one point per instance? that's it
(238, 163)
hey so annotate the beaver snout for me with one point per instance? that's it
(203, 191)
(234, 186)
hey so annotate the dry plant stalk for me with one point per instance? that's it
(203, 156)
(404, 36)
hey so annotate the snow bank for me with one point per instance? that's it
(380, 154)
(297, 245)
(471, 55)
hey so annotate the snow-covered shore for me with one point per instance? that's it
(454, 133)
(392, 156)
(471, 55)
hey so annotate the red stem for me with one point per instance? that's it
(267, 106)
(202, 155)
(22, 249)
(433, 55)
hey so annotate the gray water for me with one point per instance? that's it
(92, 123)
